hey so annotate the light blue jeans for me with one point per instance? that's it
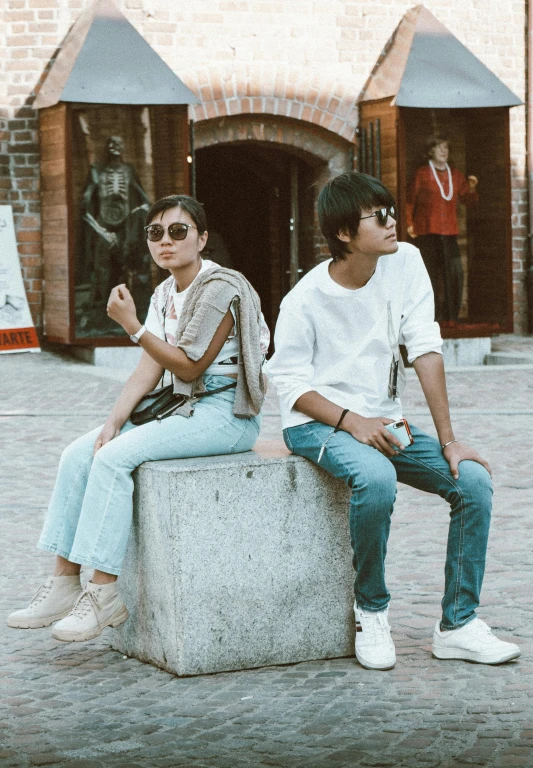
(372, 478)
(89, 517)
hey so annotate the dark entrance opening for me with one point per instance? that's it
(259, 202)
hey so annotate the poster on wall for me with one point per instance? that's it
(17, 333)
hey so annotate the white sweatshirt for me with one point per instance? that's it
(335, 340)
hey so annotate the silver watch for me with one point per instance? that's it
(137, 336)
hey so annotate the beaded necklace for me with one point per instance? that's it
(450, 181)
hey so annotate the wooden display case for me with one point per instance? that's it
(114, 137)
(73, 140)
(391, 147)
(427, 83)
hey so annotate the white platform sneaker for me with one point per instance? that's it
(98, 606)
(53, 600)
(374, 648)
(472, 642)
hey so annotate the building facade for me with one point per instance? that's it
(278, 84)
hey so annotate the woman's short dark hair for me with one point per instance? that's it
(341, 202)
(186, 203)
(434, 141)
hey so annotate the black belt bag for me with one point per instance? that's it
(162, 402)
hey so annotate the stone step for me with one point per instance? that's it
(507, 358)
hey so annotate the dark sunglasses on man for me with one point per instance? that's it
(382, 215)
(177, 231)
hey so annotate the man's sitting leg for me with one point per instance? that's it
(459, 634)
(372, 478)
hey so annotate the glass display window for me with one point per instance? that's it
(112, 190)
(102, 167)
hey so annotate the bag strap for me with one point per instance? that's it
(179, 400)
(216, 391)
(167, 288)
(163, 297)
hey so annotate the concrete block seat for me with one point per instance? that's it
(236, 562)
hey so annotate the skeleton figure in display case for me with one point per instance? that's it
(112, 247)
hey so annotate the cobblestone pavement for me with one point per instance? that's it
(86, 706)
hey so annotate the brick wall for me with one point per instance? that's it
(306, 60)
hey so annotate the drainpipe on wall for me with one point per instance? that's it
(529, 158)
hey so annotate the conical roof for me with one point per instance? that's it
(104, 60)
(424, 65)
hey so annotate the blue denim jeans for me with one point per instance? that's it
(89, 517)
(372, 478)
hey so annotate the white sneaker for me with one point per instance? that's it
(53, 600)
(374, 648)
(472, 642)
(98, 606)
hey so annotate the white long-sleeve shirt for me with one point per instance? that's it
(336, 341)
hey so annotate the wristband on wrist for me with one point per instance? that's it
(338, 426)
(445, 445)
(346, 410)
(136, 336)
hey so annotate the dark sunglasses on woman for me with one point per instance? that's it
(382, 215)
(177, 231)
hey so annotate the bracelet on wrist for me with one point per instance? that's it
(338, 425)
(445, 445)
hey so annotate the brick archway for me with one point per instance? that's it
(317, 146)
(264, 170)
(278, 91)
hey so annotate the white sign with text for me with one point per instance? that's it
(17, 332)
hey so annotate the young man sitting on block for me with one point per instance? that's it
(338, 372)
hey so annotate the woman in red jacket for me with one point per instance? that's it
(432, 219)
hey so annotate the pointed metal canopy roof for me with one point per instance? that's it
(424, 65)
(104, 60)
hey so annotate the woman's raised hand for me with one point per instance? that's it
(121, 308)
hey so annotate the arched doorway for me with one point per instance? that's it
(258, 177)
(250, 194)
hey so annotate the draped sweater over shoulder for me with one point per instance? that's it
(208, 301)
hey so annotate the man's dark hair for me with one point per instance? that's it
(186, 203)
(341, 202)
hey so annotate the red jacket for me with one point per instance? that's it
(427, 211)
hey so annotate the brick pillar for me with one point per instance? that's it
(23, 195)
(5, 178)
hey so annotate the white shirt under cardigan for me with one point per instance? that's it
(226, 362)
(335, 340)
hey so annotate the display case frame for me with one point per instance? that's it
(104, 65)
(397, 136)
(425, 84)
(60, 204)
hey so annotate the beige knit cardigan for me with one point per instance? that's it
(210, 296)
